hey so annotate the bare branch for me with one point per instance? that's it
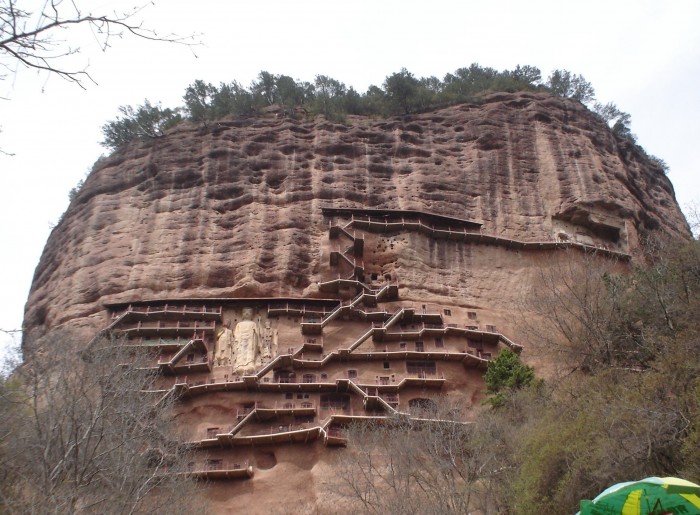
(37, 45)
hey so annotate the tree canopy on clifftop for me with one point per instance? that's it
(401, 93)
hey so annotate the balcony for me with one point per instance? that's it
(221, 469)
(171, 311)
(335, 437)
(281, 433)
(168, 327)
(266, 411)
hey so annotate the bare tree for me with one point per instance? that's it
(82, 434)
(422, 465)
(575, 299)
(35, 39)
(692, 215)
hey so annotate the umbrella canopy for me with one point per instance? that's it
(650, 496)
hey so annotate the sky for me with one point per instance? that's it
(643, 55)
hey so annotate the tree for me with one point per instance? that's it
(265, 88)
(402, 91)
(329, 94)
(199, 98)
(82, 434)
(374, 100)
(506, 374)
(144, 121)
(465, 83)
(29, 38)
(232, 99)
(566, 84)
(432, 464)
(529, 75)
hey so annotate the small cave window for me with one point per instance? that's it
(303, 419)
(420, 347)
(211, 464)
(402, 345)
(324, 376)
(284, 376)
(352, 374)
(289, 396)
(335, 401)
(491, 328)
(439, 343)
(374, 277)
(387, 277)
(387, 365)
(471, 315)
(447, 312)
(421, 368)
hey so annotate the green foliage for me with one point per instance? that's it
(635, 411)
(198, 101)
(506, 374)
(73, 193)
(329, 96)
(529, 75)
(566, 84)
(144, 121)
(402, 93)
(659, 163)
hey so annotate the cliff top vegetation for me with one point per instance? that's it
(402, 93)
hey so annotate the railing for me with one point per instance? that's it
(424, 374)
(280, 429)
(166, 308)
(160, 341)
(335, 433)
(177, 326)
(204, 358)
(218, 465)
(301, 309)
(212, 381)
(242, 412)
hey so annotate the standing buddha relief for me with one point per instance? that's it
(245, 348)
(224, 345)
(269, 341)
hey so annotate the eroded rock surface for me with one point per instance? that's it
(235, 209)
(258, 256)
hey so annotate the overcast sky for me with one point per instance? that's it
(644, 55)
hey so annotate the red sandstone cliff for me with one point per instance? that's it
(234, 210)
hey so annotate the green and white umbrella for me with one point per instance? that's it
(650, 496)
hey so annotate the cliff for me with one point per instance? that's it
(235, 209)
(296, 276)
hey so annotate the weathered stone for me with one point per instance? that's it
(441, 220)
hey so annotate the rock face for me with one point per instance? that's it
(235, 210)
(298, 243)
